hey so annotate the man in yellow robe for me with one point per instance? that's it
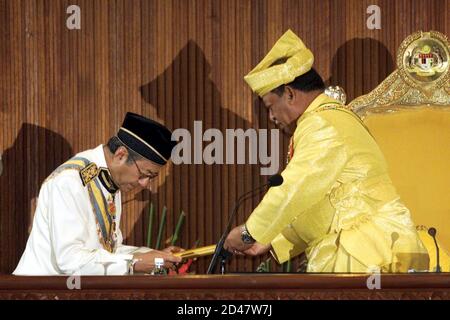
(337, 203)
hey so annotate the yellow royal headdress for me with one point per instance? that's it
(265, 77)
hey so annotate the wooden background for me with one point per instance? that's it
(63, 91)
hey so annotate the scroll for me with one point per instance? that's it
(196, 252)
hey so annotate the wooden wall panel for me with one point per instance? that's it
(63, 91)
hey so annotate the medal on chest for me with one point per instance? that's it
(112, 214)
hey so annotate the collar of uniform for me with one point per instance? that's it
(104, 175)
(105, 178)
(316, 103)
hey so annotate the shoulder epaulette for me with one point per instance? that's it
(88, 173)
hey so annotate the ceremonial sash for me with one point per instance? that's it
(104, 209)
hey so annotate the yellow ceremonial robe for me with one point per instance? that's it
(337, 203)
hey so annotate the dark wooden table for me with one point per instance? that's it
(232, 286)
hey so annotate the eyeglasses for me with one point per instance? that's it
(142, 175)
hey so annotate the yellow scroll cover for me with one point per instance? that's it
(196, 252)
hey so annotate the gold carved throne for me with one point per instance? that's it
(409, 116)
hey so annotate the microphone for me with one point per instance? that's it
(273, 181)
(432, 232)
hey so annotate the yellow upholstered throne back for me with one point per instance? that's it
(409, 116)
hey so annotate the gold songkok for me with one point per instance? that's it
(299, 60)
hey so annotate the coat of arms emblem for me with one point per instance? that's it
(423, 59)
(426, 61)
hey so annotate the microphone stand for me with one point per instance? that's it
(220, 251)
(432, 232)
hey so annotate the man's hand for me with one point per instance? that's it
(173, 249)
(233, 243)
(257, 249)
(147, 260)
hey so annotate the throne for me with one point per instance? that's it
(409, 116)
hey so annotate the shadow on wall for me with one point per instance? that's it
(359, 65)
(35, 153)
(183, 93)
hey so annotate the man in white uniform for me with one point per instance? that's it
(76, 224)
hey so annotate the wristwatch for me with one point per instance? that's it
(246, 236)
